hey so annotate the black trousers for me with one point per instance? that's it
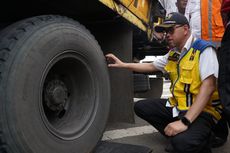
(221, 129)
(196, 139)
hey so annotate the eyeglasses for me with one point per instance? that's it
(172, 29)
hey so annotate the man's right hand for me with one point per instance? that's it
(113, 61)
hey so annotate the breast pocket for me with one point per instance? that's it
(186, 72)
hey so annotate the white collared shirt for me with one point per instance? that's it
(208, 62)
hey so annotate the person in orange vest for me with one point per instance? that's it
(205, 20)
(212, 28)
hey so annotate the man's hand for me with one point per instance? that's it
(174, 128)
(113, 61)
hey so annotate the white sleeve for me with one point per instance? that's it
(192, 13)
(208, 63)
(169, 5)
(163, 4)
(187, 11)
(161, 61)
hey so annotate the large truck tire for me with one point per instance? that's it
(54, 87)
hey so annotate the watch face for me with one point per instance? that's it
(185, 121)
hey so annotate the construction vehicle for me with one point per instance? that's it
(56, 93)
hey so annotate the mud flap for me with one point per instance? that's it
(114, 147)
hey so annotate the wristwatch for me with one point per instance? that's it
(185, 121)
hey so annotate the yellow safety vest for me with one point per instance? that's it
(186, 82)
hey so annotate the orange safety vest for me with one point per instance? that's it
(212, 28)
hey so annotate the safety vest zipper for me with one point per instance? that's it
(178, 76)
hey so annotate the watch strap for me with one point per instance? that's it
(185, 121)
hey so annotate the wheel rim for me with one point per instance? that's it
(68, 97)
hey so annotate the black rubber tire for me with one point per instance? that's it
(51, 56)
(155, 91)
(141, 83)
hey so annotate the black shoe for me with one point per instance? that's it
(217, 142)
(169, 148)
(207, 151)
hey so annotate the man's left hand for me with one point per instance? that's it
(174, 128)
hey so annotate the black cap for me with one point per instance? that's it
(171, 20)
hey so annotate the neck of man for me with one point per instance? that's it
(181, 10)
(181, 46)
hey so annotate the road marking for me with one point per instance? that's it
(129, 132)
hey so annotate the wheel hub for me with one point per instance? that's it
(56, 95)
